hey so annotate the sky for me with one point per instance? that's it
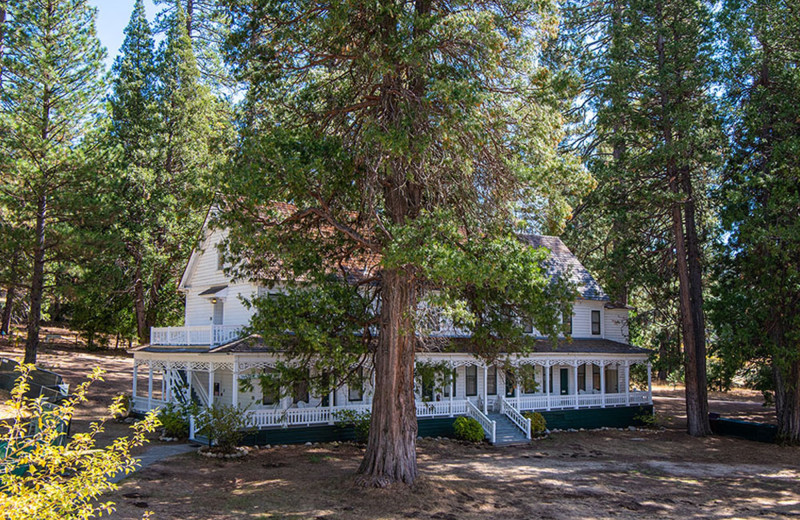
(112, 17)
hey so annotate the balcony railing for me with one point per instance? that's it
(202, 335)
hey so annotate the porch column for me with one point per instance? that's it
(649, 383)
(485, 388)
(627, 384)
(517, 392)
(575, 382)
(150, 386)
(452, 390)
(235, 397)
(136, 376)
(210, 384)
(164, 386)
(603, 384)
(547, 385)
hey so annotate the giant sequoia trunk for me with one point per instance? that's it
(37, 282)
(391, 448)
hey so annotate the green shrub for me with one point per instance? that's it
(538, 424)
(468, 429)
(360, 421)
(224, 424)
(175, 420)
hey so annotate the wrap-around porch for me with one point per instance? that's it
(476, 388)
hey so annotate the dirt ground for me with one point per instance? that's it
(74, 364)
(598, 474)
(592, 474)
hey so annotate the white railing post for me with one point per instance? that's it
(135, 378)
(575, 382)
(485, 388)
(150, 387)
(627, 384)
(649, 383)
(452, 391)
(547, 386)
(602, 385)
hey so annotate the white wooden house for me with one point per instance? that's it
(584, 382)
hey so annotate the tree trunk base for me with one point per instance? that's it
(374, 482)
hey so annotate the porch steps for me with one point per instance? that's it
(506, 432)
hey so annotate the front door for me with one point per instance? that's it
(564, 381)
(218, 313)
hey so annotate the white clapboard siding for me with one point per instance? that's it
(203, 265)
(616, 325)
(582, 318)
(200, 310)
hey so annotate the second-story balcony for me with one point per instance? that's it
(201, 335)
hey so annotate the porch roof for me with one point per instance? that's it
(254, 344)
(214, 290)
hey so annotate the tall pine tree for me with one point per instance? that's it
(757, 311)
(207, 26)
(51, 93)
(655, 142)
(167, 142)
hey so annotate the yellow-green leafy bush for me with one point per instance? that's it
(538, 424)
(468, 429)
(46, 476)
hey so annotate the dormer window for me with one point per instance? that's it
(595, 323)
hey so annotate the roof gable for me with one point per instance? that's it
(562, 262)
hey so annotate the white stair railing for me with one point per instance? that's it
(200, 388)
(177, 387)
(523, 423)
(489, 426)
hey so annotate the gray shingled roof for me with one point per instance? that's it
(563, 263)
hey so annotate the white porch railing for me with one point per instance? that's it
(143, 404)
(512, 413)
(545, 402)
(207, 335)
(199, 387)
(446, 407)
(299, 416)
(279, 417)
(489, 426)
